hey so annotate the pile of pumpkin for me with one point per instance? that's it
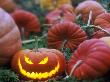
(90, 58)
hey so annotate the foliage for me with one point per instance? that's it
(7, 75)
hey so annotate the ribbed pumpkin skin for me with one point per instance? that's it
(10, 41)
(27, 20)
(54, 16)
(67, 7)
(8, 5)
(99, 33)
(103, 20)
(54, 57)
(85, 7)
(65, 31)
(96, 59)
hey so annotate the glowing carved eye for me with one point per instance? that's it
(27, 60)
(44, 61)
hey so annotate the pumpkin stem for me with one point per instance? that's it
(89, 19)
(73, 68)
(36, 43)
(47, 25)
(63, 46)
(100, 28)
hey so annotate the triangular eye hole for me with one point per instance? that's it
(27, 60)
(44, 61)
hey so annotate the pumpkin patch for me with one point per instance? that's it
(54, 41)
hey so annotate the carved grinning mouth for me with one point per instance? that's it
(36, 75)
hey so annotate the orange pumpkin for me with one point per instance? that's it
(103, 20)
(71, 32)
(85, 7)
(94, 55)
(8, 5)
(42, 64)
(26, 20)
(57, 16)
(10, 40)
(67, 7)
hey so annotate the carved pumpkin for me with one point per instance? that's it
(85, 7)
(69, 31)
(95, 56)
(10, 41)
(27, 20)
(103, 20)
(42, 64)
(58, 15)
(8, 5)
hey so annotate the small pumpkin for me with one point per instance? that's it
(26, 20)
(56, 16)
(42, 64)
(10, 40)
(85, 7)
(95, 56)
(71, 32)
(102, 20)
(67, 7)
(8, 5)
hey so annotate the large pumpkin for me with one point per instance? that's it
(69, 31)
(103, 20)
(10, 41)
(42, 64)
(57, 16)
(27, 20)
(8, 5)
(85, 7)
(95, 56)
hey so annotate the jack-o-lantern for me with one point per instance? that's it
(42, 64)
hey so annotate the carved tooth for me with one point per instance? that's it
(28, 74)
(33, 75)
(45, 75)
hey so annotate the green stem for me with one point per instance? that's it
(36, 43)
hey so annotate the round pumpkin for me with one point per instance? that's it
(8, 5)
(67, 7)
(26, 20)
(103, 20)
(95, 56)
(10, 41)
(40, 65)
(69, 31)
(85, 7)
(57, 16)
